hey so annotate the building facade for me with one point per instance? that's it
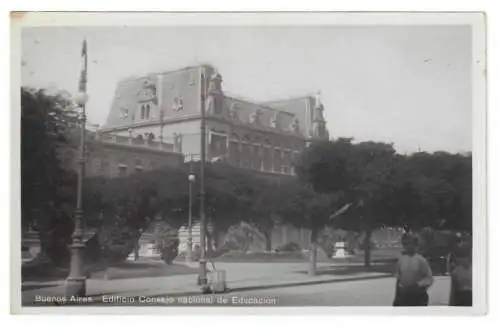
(266, 137)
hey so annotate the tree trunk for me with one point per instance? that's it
(136, 250)
(246, 246)
(313, 255)
(208, 243)
(269, 244)
(106, 269)
(45, 239)
(368, 247)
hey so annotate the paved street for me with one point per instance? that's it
(363, 292)
(372, 292)
(335, 284)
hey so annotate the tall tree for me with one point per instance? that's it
(442, 185)
(360, 176)
(47, 188)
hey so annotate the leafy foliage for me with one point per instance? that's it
(383, 188)
(47, 188)
(356, 187)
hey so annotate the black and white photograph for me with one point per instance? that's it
(249, 160)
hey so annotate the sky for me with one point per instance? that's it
(407, 85)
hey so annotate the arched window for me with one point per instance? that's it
(234, 150)
(145, 111)
(122, 167)
(286, 162)
(277, 160)
(246, 151)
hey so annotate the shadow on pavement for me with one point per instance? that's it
(43, 277)
(35, 286)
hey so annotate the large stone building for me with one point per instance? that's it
(110, 156)
(267, 137)
(166, 107)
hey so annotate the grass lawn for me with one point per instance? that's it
(142, 269)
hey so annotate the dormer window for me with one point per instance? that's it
(124, 114)
(178, 104)
(148, 90)
(255, 117)
(295, 126)
(233, 111)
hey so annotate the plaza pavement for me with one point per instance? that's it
(241, 277)
(362, 292)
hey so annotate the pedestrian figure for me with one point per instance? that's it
(457, 246)
(414, 275)
(461, 278)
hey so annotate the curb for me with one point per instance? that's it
(308, 283)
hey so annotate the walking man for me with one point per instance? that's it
(414, 275)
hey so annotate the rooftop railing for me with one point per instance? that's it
(143, 143)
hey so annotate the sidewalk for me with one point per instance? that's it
(239, 276)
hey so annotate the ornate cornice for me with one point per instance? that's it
(191, 117)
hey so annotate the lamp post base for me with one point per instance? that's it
(76, 287)
(202, 277)
(76, 281)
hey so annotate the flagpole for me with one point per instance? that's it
(76, 281)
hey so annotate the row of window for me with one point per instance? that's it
(261, 159)
(257, 141)
(257, 157)
(145, 113)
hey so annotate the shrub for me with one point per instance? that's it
(289, 247)
(239, 237)
(167, 242)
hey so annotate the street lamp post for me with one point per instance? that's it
(76, 281)
(202, 272)
(189, 248)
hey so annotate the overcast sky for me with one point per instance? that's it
(407, 85)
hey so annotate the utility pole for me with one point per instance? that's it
(202, 273)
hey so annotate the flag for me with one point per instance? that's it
(83, 75)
